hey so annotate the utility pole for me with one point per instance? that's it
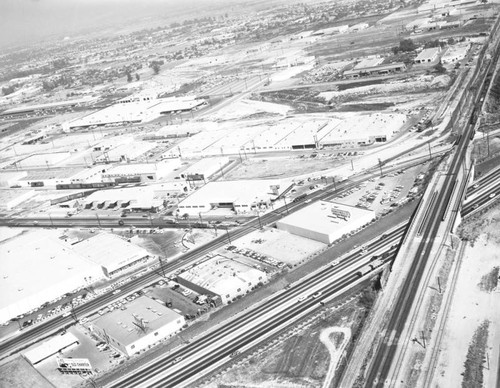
(228, 236)
(439, 284)
(286, 205)
(380, 166)
(423, 339)
(258, 216)
(98, 221)
(352, 165)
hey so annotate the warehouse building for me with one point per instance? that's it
(325, 221)
(238, 196)
(204, 169)
(428, 56)
(111, 253)
(361, 130)
(135, 109)
(455, 53)
(53, 346)
(38, 267)
(145, 198)
(375, 70)
(222, 276)
(144, 322)
(141, 172)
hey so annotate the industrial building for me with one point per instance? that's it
(112, 253)
(141, 172)
(361, 130)
(375, 70)
(455, 53)
(144, 198)
(135, 109)
(61, 176)
(49, 106)
(51, 347)
(238, 196)
(428, 56)
(204, 169)
(38, 267)
(222, 276)
(142, 323)
(125, 152)
(325, 221)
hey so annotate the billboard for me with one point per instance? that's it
(74, 365)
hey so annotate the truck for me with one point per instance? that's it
(300, 198)
(370, 267)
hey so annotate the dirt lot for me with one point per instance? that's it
(278, 167)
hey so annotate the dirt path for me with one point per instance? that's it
(335, 353)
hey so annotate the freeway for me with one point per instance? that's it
(281, 308)
(382, 361)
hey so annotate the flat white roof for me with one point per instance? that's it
(368, 62)
(50, 347)
(223, 276)
(109, 251)
(121, 324)
(34, 261)
(240, 192)
(428, 54)
(319, 217)
(162, 168)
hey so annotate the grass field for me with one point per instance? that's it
(18, 373)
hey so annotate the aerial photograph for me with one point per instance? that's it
(250, 193)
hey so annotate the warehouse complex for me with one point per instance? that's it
(111, 253)
(141, 324)
(222, 276)
(236, 196)
(36, 268)
(325, 221)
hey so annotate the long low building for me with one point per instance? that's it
(51, 347)
(37, 267)
(222, 276)
(238, 196)
(111, 252)
(325, 221)
(375, 70)
(142, 323)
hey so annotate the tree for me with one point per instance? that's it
(129, 76)
(407, 45)
(137, 77)
(156, 68)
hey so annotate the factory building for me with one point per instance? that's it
(141, 324)
(37, 268)
(222, 276)
(51, 178)
(135, 109)
(237, 196)
(111, 253)
(145, 198)
(325, 221)
(51, 347)
(141, 172)
(428, 56)
(455, 53)
(204, 169)
(375, 70)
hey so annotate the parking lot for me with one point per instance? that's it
(380, 194)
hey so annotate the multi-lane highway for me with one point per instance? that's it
(206, 350)
(382, 361)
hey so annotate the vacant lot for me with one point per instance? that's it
(18, 373)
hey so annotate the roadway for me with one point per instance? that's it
(281, 308)
(382, 361)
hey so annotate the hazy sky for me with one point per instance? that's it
(28, 21)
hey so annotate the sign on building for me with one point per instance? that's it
(74, 365)
(341, 213)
